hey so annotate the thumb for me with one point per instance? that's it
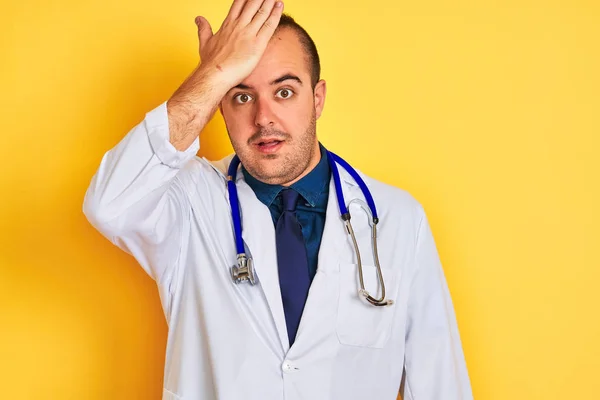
(204, 30)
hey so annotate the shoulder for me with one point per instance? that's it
(202, 183)
(204, 172)
(392, 195)
(394, 203)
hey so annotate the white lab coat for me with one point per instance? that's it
(170, 210)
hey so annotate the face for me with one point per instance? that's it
(271, 116)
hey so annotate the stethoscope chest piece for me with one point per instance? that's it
(244, 270)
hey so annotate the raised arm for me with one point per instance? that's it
(135, 198)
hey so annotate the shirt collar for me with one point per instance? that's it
(312, 187)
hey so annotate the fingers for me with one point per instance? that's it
(268, 28)
(261, 15)
(235, 10)
(204, 30)
(250, 9)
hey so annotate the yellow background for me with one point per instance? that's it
(487, 112)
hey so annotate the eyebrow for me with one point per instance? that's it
(275, 82)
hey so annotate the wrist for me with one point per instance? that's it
(201, 90)
(215, 79)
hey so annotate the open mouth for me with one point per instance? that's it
(269, 145)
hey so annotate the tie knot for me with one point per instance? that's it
(289, 198)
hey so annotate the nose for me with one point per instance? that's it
(264, 116)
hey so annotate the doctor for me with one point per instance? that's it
(298, 327)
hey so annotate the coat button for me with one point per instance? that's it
(288, 367)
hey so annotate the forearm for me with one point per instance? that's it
(192, 106)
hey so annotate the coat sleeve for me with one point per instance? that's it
(434, 363)
(135, 199)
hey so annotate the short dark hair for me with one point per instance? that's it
(307, 43)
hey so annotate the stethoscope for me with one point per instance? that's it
(244, 270)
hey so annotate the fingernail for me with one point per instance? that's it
(278, 4)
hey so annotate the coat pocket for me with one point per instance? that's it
(358, 322)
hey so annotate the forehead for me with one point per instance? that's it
(284, 54)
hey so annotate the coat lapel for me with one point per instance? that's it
(336, 248)
(259, 235)
(334, 244)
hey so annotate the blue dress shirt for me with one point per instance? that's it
(311, 209)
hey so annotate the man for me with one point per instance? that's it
(302, 330)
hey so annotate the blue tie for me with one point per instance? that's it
(292, 263)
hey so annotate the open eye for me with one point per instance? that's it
(285, 93)
(242, 98)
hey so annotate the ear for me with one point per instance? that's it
(319, 93)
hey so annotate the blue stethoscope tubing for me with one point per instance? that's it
(244, 271)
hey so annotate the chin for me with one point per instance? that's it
(274, 174)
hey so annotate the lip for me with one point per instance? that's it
(270, 146)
